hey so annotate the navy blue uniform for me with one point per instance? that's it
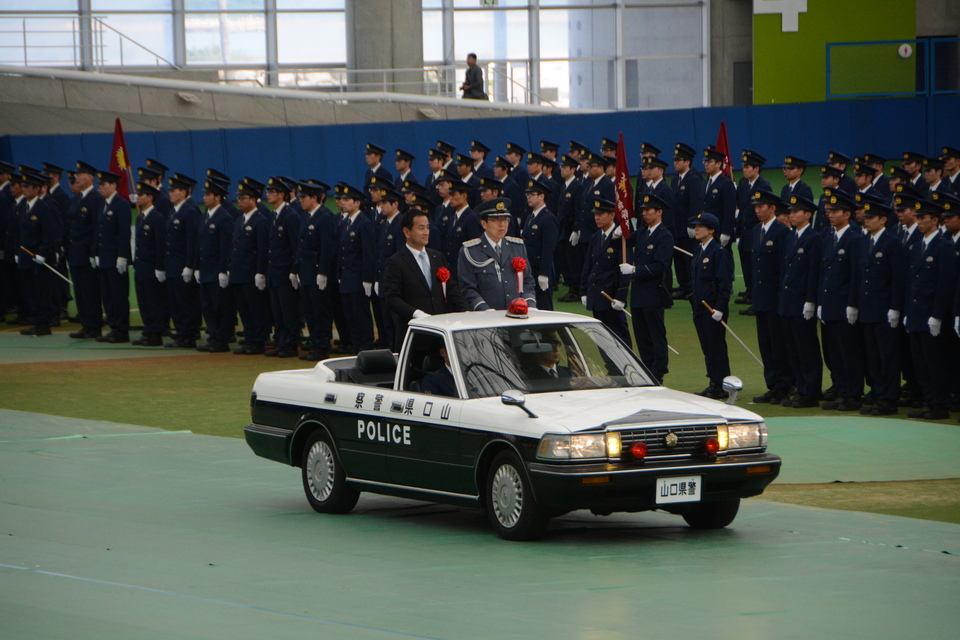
(357, 264)
(150, 239)
(747, 223)
(81, 241)
(838, 289)
(568, 215)
(720, 199)
(183, 230)
(315, 247)
(248, 258)
(711, 278)
(652, 256)
(389, 239)
(38, 232)
(586, 225)
(799, 282)
(214, 250)
(284, 299)
(601, 274)
(540, 236)
(688, 203)
(767, 256)
(459, 230)
(113, 242)
(800, 188)
(490, 282)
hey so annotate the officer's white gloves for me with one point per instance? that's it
(617, 231)
(367, 288)
(820, 313)
(956, 326)
(544, 282)
(893, 317)
(321, 281)
(94, 262)
(574, 238)
(260, 281)
(187, 274)
(121, 265)
(627, 269)
(691, 233)
(161, 275)
(294, 281)
(617, 305)
(420, 314)
(16, 259)
(223, 279)
(934, 324)
(808, 309)
(717, 315)
(724, 239)
(196, 276)
(583, 300)
(852, 314)
(376, 288)
(39, 259)
(133, 198)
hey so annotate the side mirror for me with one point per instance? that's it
(732, 385)
(515, 398)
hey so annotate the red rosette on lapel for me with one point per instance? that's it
(519, 265)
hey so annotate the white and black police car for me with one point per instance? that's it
(526, 415)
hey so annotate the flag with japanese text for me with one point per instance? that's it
(624, 191)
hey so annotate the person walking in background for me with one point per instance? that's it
(472, 86)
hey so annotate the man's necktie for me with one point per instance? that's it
(425, 267)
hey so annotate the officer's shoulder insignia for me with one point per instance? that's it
(514, 240)
(472, 243)
(929, 258)
(769, 243)
(841, 252)
(800, 250)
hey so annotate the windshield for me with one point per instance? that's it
(544, 358)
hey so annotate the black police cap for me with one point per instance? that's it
(147, 189)
(494, 208)
(375, 149)
(652, 201)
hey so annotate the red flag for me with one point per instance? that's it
(624, 191)
(723, 146)
(120, 162)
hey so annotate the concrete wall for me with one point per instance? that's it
(938, 18)
(731, 41)
(385, 34)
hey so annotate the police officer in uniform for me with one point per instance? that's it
(389, 241)
(462, 224)
(478, 153)
(540, 237)
(38, 231)
(472, 180)
(402, 162)
(515, 155)
(711, 276)
(793, 168)
(80, 242)
(601, 272)
(594, 186)
(211, 265)
(149, 274)
(747, 221)
(283, 281)
(687, 188)
(571, 200)
(183, 290)
(652, 256)
(248, 271)
(840, 162)
(112, 256)
(356, 267)
(152, 177)
(373, 158)
(720, 195)
(913, 165)
(487, 272)
(316, 247)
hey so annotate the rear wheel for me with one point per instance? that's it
(712, 515)
(324, 480)
(511, 507)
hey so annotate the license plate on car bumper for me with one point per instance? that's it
(685, 489)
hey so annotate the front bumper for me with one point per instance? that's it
(607, 487)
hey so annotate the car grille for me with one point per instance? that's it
(690, 439)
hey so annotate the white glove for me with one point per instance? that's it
(893, 317)
(934, 324)
(161, 275)
(820, 313)
(583, 300)
(121, 265)
(420, 314)
(95, 262)
(724, 240)
(223, 279)
(616, 305)
(260, 281)
(16, 259)
(956, 326)
(376, 288)
(544, 282)
(627, 269)
(691, 233)
(294, 281)
(574, 238)
(808, 309)
(367, 288)
(39, 259)
(133, 198)
(617, 231)
(717, 315)
(321, 281)
(187, 274)
(196, 276)
(852, 314)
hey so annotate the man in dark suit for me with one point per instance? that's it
(472, 86)
(688, 203)
(467, 176)
(601, 273)
(440, 382)
(515, 155)
(535, 163)
(913, 165)
(720, 196)
(315, 245)
(149, 275)
(650, 270)
(540, 235)
(880, 183)
(951, 168)
(478, 152)
(248, 271)
(544, 364)
(412, 278)
(210, 266)
(747, 221)
(183, 289)
(80, 244)
(112, 256)
(38, 231)
(571, 200)
(283, 281)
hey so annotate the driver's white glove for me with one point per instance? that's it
(808, 310)
(717, 315)
(820, 313)
(852, 314)
(724, 239)
(376, 288)
(617, 305)
(367, 288)
(420, 314)
(893, 317)
(121, 265)
(617, 231)
(321, 281)
(196, 276)
(691, 233)
(934, 324)
(544, 282)
(260, 281)
(223, 279)
(187, 274)
(294, 281)
(161, 275)
(583, 300)
(574, 238)
(627, 269)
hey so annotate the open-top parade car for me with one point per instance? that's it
(527, 417)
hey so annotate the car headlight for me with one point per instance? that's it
(752, 435)
(579, 446)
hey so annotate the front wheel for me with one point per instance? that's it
(511, 507)
(324, 480)
(712, 515)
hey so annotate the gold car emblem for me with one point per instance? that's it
(671, 440)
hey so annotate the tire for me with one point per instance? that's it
(324, 481)
(511, 507)
(712, 515)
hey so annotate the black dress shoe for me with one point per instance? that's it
(315, 355)
(771, 396)
(870, 398)
(182, 343)
(36, 330)
(681, 295)
(148, 341)
(286, 352)
(919, 414)
(250, 350)
(804, 403)
(714, 392)
(55, 322)
(217, 346)
(118, 337)
(743, 300)
(937, 413)
(833, 405)
(848, 404)
(747, 312)
(831, 394)
(882, 408)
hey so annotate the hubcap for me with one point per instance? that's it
(320, 469)
(507, 490)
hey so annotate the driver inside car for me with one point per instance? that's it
(440, 382)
